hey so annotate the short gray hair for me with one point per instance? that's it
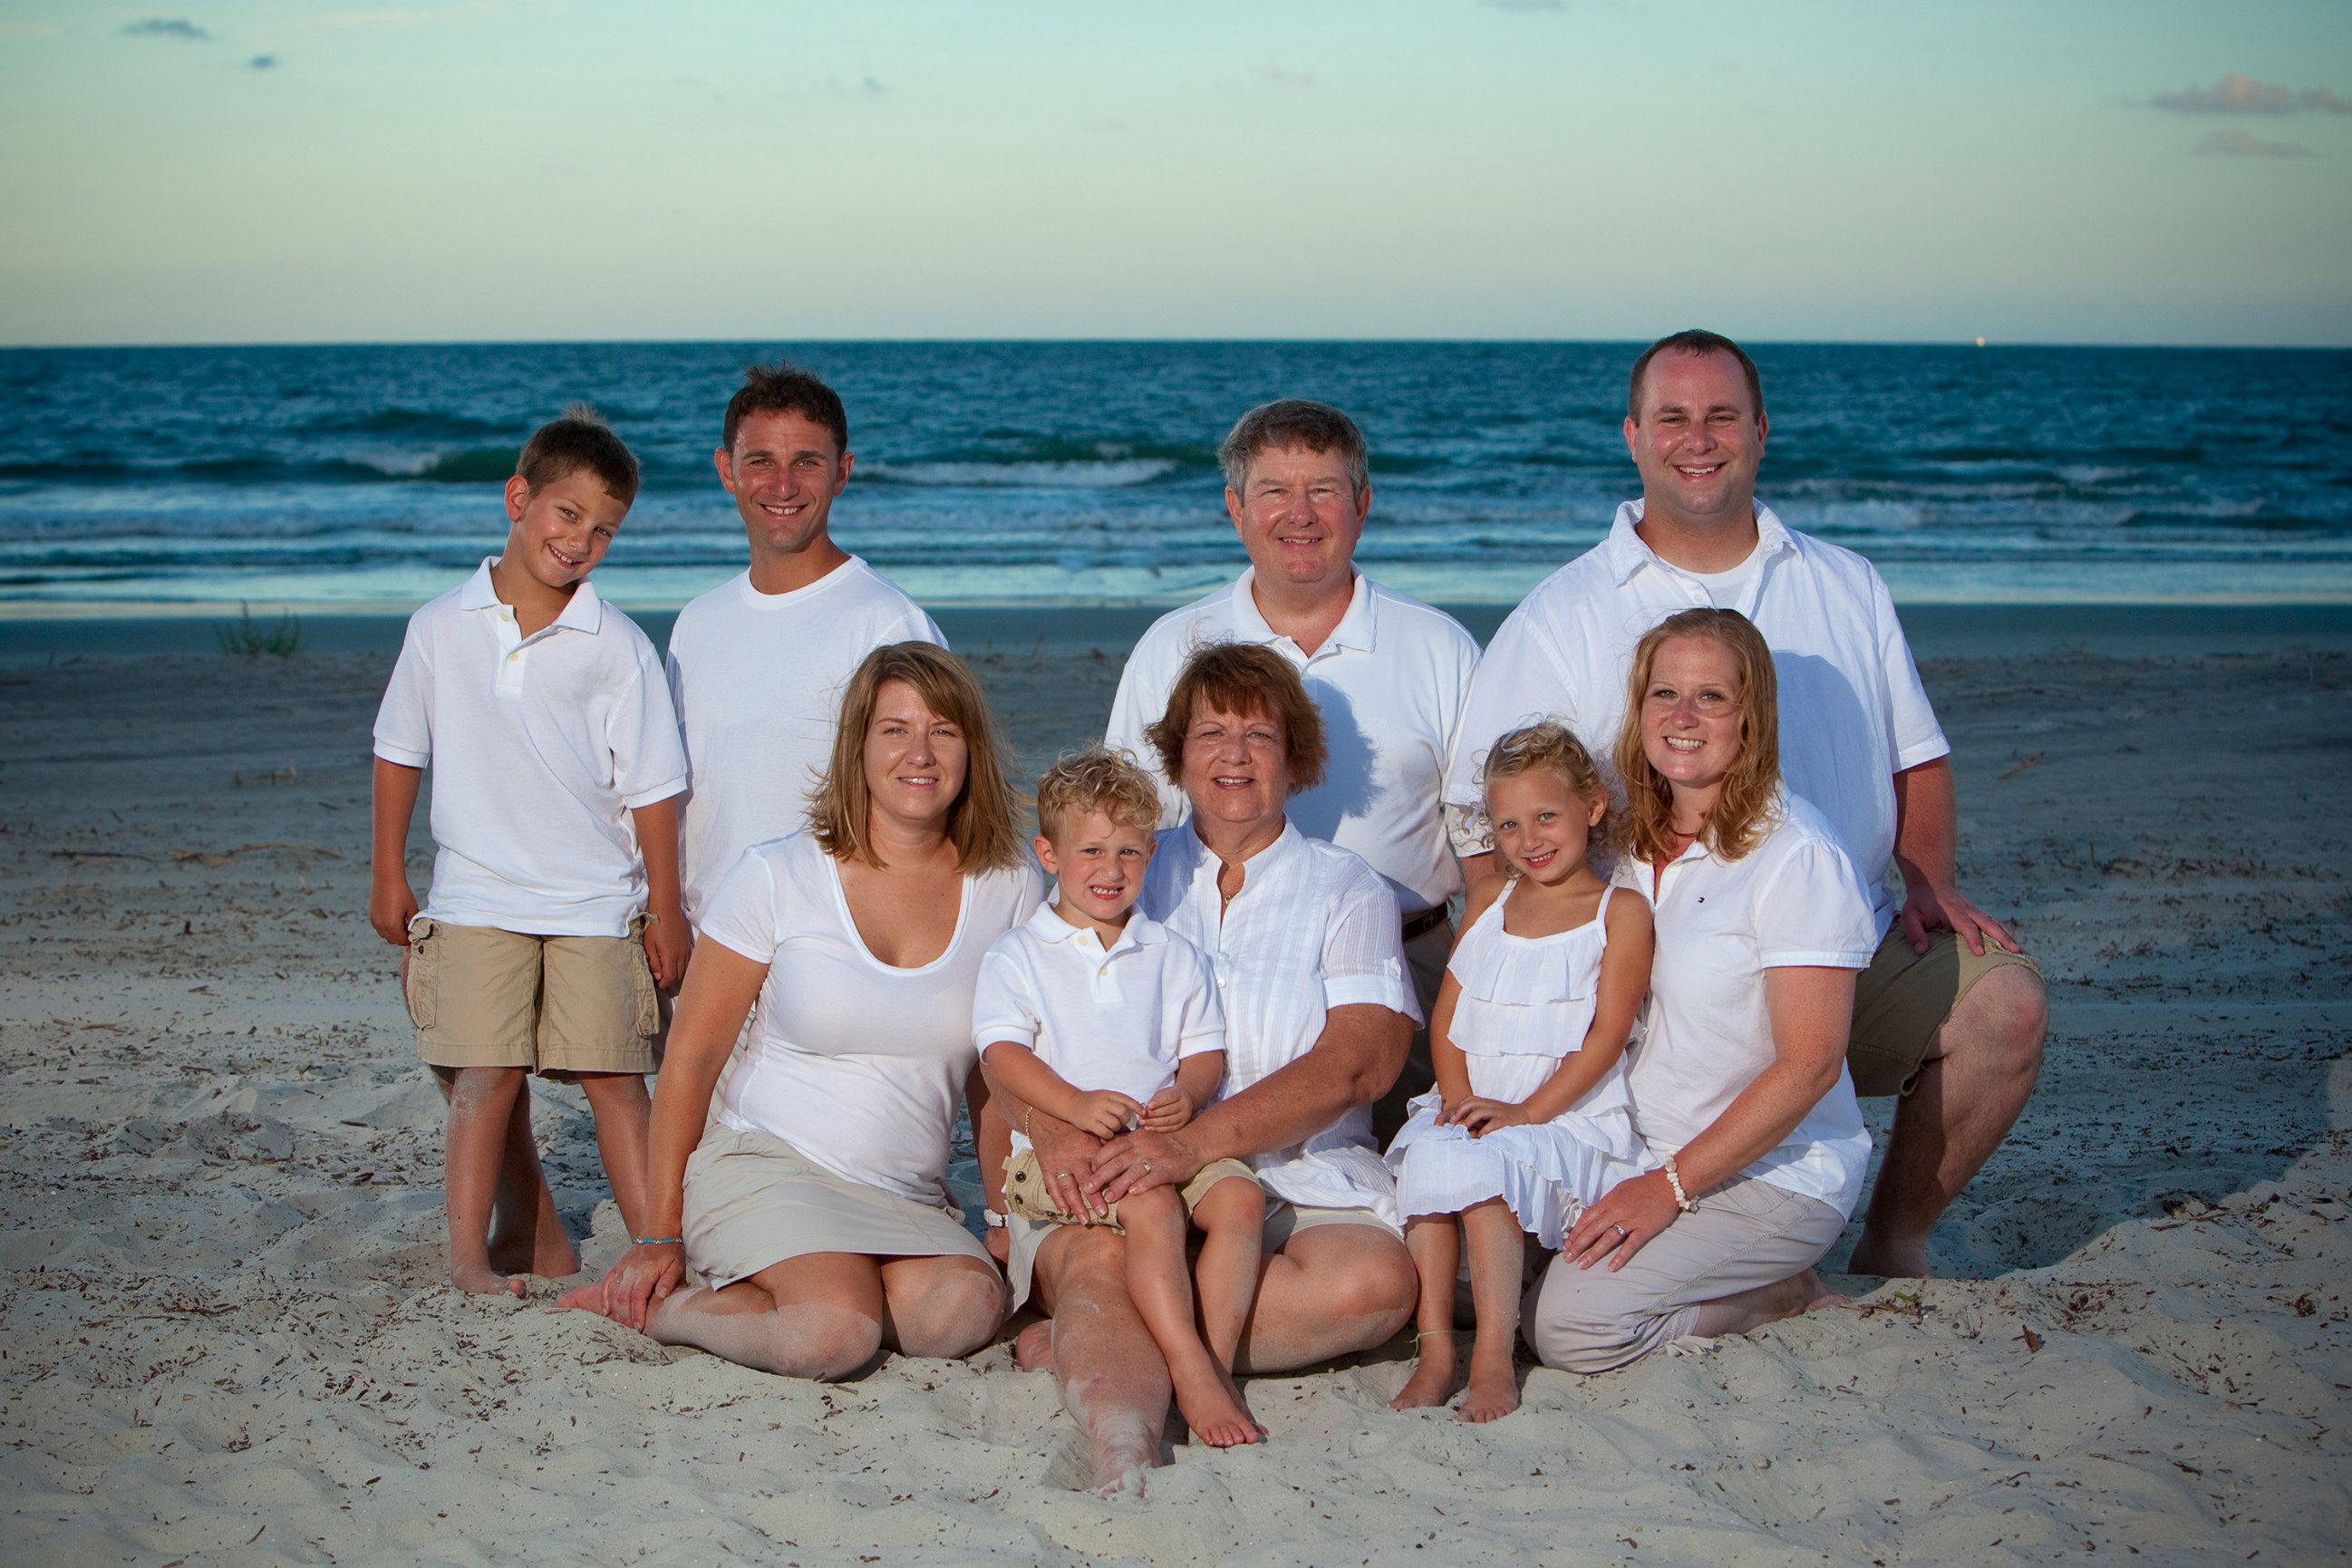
(1294, 422)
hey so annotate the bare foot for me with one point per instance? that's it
(1491, 1396)
(1121, 1459)
(1212, 1408)
(1033, 1347)
(1890, 1259)
(1434, 1381)
(588, 1297)
(549, 1257)
(483, 1280)
(1820, 1297)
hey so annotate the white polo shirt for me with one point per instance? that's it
(756, 679)
(1390, 682)
(540, 746)
(1793, 901)
(1852, 712)
(1313, 928)
(1119, 1018)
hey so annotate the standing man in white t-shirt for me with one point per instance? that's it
(1388, 674)
(756, 665)
(1950, 1013)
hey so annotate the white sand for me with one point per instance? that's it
(223, 1334)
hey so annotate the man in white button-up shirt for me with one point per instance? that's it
(1387, 673)
(1950, 1013)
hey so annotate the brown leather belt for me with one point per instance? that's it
(1421, 924)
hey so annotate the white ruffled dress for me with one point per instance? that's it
(1525, 1005)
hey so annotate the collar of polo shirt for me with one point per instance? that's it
(1355, 630)
(1627, 553)
(584, 612)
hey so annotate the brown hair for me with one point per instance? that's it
(1551, 745)
(578, 440)
(1693, 341)
(1095, 779)
(785, 387)
(1246, 678)
(1293, 422)
(980, 821)
(1736, 821)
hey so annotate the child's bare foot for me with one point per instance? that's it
(483, 1280)
(1434, 1379)
(1033, 1347)
(1212, 1408)
(588, 1297)
(1491, 1396)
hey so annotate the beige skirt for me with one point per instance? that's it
(754, 1200)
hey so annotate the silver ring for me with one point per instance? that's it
(1061, 1175)
(1620, 1230)
(1147, 1167)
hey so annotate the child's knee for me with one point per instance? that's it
(1231, 1204)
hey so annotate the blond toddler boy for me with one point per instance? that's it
(1090, 993)
(553, 915)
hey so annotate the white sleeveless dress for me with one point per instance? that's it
(1525, 1005)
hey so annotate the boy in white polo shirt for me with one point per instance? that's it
(1090, 991)
(554, 915)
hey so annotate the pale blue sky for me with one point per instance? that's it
(267, 170)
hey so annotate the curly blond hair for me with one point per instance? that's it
(1737, 820)
(1551, 745)
(1097, 779)
(980, 824)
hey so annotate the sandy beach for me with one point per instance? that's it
(224, 1335)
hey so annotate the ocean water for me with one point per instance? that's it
(1016, 473)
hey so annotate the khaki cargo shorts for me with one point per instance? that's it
(1904, 997)
(555, 1005)
(1025, 1192)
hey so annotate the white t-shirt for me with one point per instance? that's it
(1118, 1019)
(756, 679)
(1852, 712)
(1793, 901)
(856, 1064)
(1313, 928)
(1390, 682)
(541, 747)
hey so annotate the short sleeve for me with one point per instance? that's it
(1002, 1005)
(742, 914)
(1517, 682)
(1912, 730)
(648, 761)
(1812, 910)
(403, 721)
(1363, 947)
(1197, 1015)
(1142, 700)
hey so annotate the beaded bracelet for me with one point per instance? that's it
(658, 1240)
(1675, 1179)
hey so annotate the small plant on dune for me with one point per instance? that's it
(249, 637)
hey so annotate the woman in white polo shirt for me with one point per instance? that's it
(814, 1202)
(1739, 1086)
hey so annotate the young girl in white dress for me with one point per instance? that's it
(1529, 1121)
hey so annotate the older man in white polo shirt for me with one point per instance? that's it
(1950, 1013)
(1387, 673)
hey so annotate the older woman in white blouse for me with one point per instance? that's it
(1739, 1088)
(813, 1204)
(1318, 1013)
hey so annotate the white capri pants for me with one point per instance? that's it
(1744, 1233)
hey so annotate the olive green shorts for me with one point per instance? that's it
(1904, 997)
(556, 1005)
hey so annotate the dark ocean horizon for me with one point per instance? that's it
(1038, 474)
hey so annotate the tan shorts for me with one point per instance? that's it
(556, 1005)
(1025, 1193)
(752, 1201)
(1904, 997)
(1023, 1235)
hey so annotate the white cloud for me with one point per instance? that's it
(2240, 94)
(2239, 144)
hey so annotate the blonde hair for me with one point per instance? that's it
(1736, 819)
(980, 823)
(1246, 679)
(1552, 746)
(1097, 779)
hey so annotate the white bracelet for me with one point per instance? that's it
(1674, 1180)
(995, 1221)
